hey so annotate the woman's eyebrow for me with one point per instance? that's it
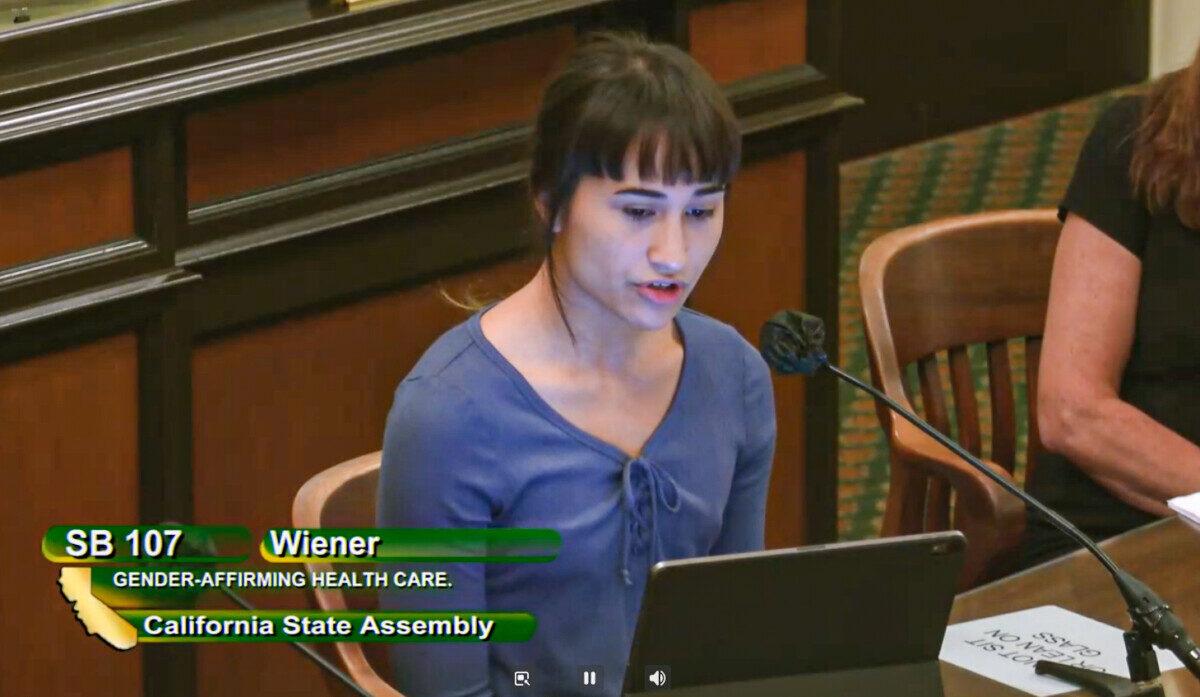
(651, 193)
(634, 191)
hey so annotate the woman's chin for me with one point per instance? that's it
(652, 318)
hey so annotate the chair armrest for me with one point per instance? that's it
(363, 672)
(992, 519)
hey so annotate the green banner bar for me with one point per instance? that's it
(357, 545)
(241, 626)
(121, 544)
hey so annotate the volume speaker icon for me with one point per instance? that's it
(657, 677)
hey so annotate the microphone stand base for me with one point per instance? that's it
(1098, 683)
(1143, 669)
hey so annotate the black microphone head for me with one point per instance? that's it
(793, 342)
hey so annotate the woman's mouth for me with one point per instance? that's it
(661, 292)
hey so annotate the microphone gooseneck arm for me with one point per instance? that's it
(305, 649)
(792, 341)
(1151, 616)
(309, 652)
(1060, 522)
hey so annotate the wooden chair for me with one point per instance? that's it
(343, 496)
(940, 287)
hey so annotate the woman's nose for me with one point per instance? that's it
(668, 251)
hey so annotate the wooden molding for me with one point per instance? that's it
(140, 286)
(270, 40)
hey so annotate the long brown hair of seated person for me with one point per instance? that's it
(1165, 169)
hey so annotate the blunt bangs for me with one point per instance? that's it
(675, 135)
(619, 96)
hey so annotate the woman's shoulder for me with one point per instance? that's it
(456, 357)
(1122, 115)
(442, 355)
(719, 341)
(732, 367)
(454, 370)
(1101, 190)
(703, 329)
(439, 397)
(1116, 127)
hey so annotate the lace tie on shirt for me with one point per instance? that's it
(644, 487)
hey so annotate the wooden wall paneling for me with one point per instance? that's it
(744, 38)
(160, 203)
(67, 206)
(661, 20)
(165, 347)
(268, 140)
(758, 269)
(82, 298)
(318, 204)
(929, 68)
(823, 38)
(666, 20)
(81, 335)
(178, 51)
(822, 264)
(782, 80)
(69, 444)
(823, 45)
(164, 363)
(257, 283)
(60, 323)
(93, 205)
(275, 405)
(810, 204)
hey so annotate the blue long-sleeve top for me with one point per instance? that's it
(469, 443)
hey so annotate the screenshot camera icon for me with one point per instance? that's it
(658, 677)
(521, 678)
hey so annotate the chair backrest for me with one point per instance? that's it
(937, 289)
(343, 496)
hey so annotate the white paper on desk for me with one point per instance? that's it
(1187, 507)
(1005, 647)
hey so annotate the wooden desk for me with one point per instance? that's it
(1165, 555)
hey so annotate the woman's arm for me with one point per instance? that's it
(438, 472)
(746, 510)
(1089, 332)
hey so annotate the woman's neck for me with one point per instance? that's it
(602, 340)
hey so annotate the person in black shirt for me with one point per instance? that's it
(1119, 387)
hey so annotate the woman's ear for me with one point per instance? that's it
(541, 204)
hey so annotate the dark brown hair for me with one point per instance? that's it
(619, 91)
(1165, 168)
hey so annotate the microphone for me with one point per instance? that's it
(792, 342)
(309, 652)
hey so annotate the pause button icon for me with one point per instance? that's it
(591, 675)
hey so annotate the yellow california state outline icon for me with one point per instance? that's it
(96, 617)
